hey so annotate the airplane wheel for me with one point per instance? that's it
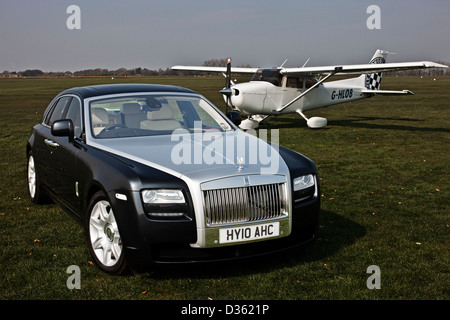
(248, 124)
(316, 122)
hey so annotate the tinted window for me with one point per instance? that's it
(294, 82)
(58, 111)
(310, 82)
(269, 75)
(74, 114)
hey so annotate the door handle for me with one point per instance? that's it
(51, 143)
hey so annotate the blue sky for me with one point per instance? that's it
(161, 33)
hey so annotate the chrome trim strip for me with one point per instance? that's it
(239, 181)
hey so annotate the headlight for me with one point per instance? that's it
(162, 196)
(304, 188)
(303, 182)
(164, 203)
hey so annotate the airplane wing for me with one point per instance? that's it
(214, 69)
(336, 70)
(361, 68)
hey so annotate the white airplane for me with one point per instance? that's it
(282, 90)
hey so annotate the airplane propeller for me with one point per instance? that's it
(233, 115)
(227, 90)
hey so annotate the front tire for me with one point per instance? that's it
(104, 240)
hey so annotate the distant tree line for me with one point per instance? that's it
(220, 63)
(136, 72)
(122, 72)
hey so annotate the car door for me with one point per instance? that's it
(59, 171)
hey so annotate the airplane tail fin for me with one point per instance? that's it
(372, 81)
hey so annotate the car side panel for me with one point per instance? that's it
(55, 165)
(100, 170)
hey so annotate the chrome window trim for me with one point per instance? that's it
(53, 105)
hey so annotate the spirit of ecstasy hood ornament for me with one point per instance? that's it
(240, 162)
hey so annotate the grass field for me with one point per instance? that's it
(384, 168)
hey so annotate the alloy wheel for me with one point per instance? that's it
(104, 234)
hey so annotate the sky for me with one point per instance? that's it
(158, 34)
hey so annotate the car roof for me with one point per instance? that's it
(107, 89)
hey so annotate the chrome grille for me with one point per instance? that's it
(244, 204)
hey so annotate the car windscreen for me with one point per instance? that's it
(144, 115)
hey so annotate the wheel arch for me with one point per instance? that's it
(92, 189)
(28, 149)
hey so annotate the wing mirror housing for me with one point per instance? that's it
(63, 128)
(234, 116)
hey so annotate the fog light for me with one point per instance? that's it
(166, 214)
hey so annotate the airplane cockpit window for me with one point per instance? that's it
(269, 75)
(309, 82)
(294, 82)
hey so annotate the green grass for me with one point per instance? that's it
(383, 165)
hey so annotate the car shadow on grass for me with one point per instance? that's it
(335, 232)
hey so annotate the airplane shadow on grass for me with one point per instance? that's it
(358, 122)
(363, 122)
(335, 232)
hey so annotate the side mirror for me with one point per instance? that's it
(234, 116)
(63, 128)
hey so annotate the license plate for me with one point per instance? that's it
(249, 233)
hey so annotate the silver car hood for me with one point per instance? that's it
(160, 152)
(200, 157)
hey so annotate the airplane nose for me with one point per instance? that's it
(248, 98)
(236, 98)
(226, 91)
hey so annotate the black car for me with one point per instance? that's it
(158, 175)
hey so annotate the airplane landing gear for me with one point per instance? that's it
(314, 122)
(253, 121)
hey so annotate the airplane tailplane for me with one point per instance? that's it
(372, 81)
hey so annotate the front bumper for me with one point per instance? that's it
(148, 241)
(303, 232)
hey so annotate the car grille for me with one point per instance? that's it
(244, 204)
